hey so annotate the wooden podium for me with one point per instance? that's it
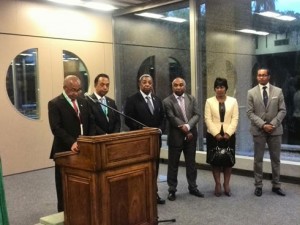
(112, 181)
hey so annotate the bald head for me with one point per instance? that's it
(178, 86)
(72, 86)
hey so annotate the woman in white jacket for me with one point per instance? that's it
(221, 119)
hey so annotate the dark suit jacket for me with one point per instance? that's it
(104, 126)
(258, 114)
(137, 108)
(65, 124)
(175, 118)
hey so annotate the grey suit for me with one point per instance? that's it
(177, 142)
(259, 115)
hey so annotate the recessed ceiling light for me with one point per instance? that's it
(286, 18)
(249, 31)
(174, 19)
(150, 15)
(90, 4)
(277, 16)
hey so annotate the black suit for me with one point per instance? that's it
(104, 125)
(65, 126)
(137, 108)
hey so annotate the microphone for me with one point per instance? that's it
(113, 109)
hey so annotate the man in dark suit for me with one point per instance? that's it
(182, 114)
(107, 121)
(146, 108)
(69, 117)
(266, 110)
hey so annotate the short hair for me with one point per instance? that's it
(184, 83)
(144, 75)
(221, 82)
(98, 76)
(264, 68)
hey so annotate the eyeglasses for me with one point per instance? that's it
(262, 75)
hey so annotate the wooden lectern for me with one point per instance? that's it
(112, 181)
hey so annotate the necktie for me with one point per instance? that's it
(182, 107)
(150, 105)
(265, 95)
(76, 108)
(103, 105)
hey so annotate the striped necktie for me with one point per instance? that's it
(182, 107)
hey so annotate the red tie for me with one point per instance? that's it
(76, 108)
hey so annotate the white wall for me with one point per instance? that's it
(26, 143)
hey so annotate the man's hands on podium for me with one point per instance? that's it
(75, 148)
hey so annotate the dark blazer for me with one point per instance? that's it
(65, 124)
(104, 126)
(137, 108)
(175, 118)
(258, 114)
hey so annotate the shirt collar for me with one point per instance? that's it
(144, 95)
(261, 86)
(67, 97)
(98, 96)
(176, 96)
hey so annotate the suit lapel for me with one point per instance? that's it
(177, 107)
(66, 105)
(187, 105)
(145, 103)
(258, 94)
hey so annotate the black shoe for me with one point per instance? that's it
(160, 200)
(278, 191)
(258, 191)
(197, 193)
(172, 196)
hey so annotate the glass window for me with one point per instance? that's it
(73, 65)
(157, 46)
(22, 83)
(235, 37)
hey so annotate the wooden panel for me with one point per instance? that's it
(79, 197)
(130, 195)
(122, 152)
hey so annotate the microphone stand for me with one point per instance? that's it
(113, 109)
(166, 221)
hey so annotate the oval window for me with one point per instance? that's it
(73, 65)
(22, 83)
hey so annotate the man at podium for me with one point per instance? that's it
(69, 117)
(147, 109)
(107, 120)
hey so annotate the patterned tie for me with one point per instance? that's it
(182, 107)
(265, 96)
(149, 104)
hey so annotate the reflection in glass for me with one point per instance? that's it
(155, 50)
(22, 85)
(73, 65)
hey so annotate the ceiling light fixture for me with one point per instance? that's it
(277, 16)
(90, 4)
(174, 19)
(159, 16)
(249, 31)
(150, 15)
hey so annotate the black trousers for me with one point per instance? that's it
(59, 189)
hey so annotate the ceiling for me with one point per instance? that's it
(121, 4)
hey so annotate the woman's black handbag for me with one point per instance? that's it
(221, 156)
